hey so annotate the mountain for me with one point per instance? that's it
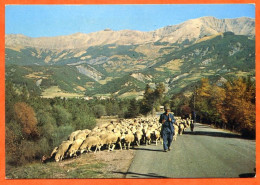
(123, 62)
(189, 30)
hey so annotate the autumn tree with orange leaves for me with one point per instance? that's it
(230, 106)
(25, 116)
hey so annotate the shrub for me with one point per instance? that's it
(63, 117)
(99, 110)
(84, 121)
(25, 115)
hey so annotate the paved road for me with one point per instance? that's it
(205, 153)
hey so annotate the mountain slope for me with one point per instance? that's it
(126, 60)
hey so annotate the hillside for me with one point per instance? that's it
(123, 62)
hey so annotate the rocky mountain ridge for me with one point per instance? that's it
(190, 31)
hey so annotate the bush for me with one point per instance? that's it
(99, 110)
(61, 134)
(25, 115)
(12, 148)
(84, 121)
(63, 117)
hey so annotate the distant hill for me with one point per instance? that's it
(123, 62)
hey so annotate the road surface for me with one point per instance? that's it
(204, 153)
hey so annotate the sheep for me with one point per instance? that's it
(73, 134)
(133, 129)
(128, 139)
(75, 146)
(156, 136)
(54, 151)
(138, 137)
(81, 135)
(89, 142)
(46, 159)
(148, 135)
(181, 128)
(119, 135)
(87, 131)
(110, 127)
(110, 139)
(62, 149)
(176, 131)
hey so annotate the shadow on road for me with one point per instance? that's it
(247, 175)
(213, 134)
(148, 149)
(140, 175)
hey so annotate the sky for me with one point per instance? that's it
(56, 20)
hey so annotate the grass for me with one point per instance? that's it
(55, 91)
(173, 65)
(132, 94)
(105, 80)
(64, 169)
(37, 75)
(88, 171)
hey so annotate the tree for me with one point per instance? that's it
(62, 116)
(147, 101)
(99, 110)
(217, 97)
(84, 121)
(133, 109)
(239, 108)
(202, 100)
(25, 115)
(185, 111)
(159, 91)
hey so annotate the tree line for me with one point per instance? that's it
(230, 105)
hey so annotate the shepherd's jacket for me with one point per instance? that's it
(167, 123)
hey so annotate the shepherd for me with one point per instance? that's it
(167, 120)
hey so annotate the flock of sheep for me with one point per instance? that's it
(120, 134)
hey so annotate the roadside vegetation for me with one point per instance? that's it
(230, 106)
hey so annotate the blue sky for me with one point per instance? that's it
(54, 20)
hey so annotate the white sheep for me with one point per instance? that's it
(138, 137)
(81, 135)
(73, 134)
(54, 151)
(89, 142)
(62, 149)
(128, 139)
(176, 131)
(75, 146)
(157, 136)
(87, 131)
(110, 139)
(148, 136)
(181, 128)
